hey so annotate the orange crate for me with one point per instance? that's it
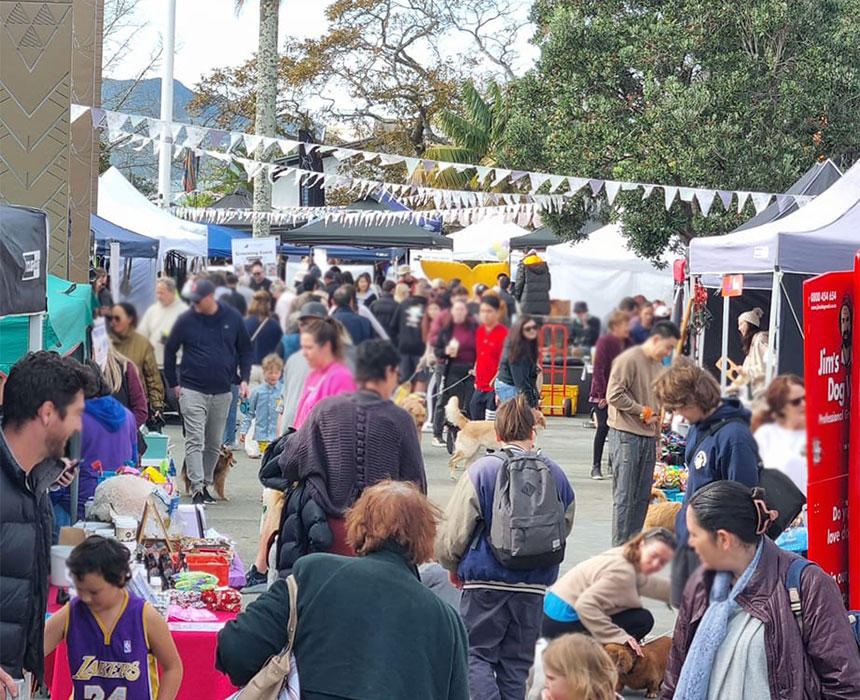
(215, 564)
(553, 399)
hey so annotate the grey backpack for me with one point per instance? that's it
(527, 529)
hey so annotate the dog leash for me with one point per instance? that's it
(447, 388)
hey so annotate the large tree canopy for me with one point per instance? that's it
(702, 93)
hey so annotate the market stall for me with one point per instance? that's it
(774, 259)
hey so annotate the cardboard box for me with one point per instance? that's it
(72, 536)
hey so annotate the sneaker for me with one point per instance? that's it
(255, 582)
(208, 498)
(596, 474)
(197, 498)
(437, 442)
(427, 427)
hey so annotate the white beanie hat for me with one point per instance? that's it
(752, 317)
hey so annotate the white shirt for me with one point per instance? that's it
(157, 323)
(785, 450)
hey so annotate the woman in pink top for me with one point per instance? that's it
(322, 348)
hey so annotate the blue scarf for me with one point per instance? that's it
(695, 675)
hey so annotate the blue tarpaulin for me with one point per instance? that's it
(131, 244)
(220, 238)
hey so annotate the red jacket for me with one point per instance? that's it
(488, 346)
(824, 664)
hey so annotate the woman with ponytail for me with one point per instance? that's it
(736, 637)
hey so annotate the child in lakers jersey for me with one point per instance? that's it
(114, 638)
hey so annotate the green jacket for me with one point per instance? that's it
(138, 349)
(367, 630)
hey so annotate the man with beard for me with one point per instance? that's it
(43, 406)
(845, 318)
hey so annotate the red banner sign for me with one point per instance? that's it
(852, 319)
(827, 370)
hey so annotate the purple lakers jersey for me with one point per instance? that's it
(111, 664)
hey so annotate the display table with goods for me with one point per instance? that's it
(189, 573)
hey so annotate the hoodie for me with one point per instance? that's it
(532, 286)
(108, 436)
(730, 453)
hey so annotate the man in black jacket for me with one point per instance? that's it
(385, 309)
(215, 346)
(42, 408)
(410, 340)
(532, 286)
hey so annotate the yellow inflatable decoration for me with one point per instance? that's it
(484, 273)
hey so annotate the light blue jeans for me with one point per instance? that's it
(505, 391)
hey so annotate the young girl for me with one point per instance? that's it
(114, 638)
(577, 668)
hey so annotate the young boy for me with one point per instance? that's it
(489, 344)
(263, 405)
(114, 638)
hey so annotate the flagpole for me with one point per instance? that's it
(166, 152)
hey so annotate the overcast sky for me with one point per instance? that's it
(209, 34)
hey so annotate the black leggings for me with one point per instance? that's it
(637, 622)
(453, 387)
(600, 434)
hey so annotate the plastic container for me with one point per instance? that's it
(59, 572)
(126, 528)
(156, 446)
(214, 564)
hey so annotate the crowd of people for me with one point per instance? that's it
(308, 375)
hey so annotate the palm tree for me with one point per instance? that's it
(475, 136)
(265, 117)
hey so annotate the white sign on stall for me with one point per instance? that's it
(247, 250)
(100, 342)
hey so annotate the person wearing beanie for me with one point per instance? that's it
(756, 347)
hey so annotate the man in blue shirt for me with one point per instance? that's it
(215, 346)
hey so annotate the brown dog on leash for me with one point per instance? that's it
(641, 672)
(226, 461)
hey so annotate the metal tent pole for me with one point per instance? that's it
(772, 364)
(724, 348)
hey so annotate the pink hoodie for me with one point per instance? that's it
(320, 384)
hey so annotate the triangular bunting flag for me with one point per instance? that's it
(646, 191)
(76, 112)
(517, 175)
(686, 194)
(784, 202)
(760, 201)
(537, 179)
(482, 171)
(742, 200)
(217, 138)
(154, 127)
(726, 198)
(193, 136)
(115, 121)
(175, 130)
(411, 166)
(612, 188)
(287, 145)
(252, 141)
(596, 186)
(670, 193)
(556, 181)
(705, 198)
(576, 184)
(499, 176)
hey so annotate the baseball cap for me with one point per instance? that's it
(580, 307)
(313, 309)
(199, 289)
(661, 311)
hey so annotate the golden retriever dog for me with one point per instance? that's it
(661, 512)
(472, 435)
(413, 404)
(641, 672)
(226, 461)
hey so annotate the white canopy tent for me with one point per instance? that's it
(122, 204)
(821, 237)
(487, 240)
(601, 270)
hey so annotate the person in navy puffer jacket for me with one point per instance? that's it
(720, 446)
(501, 607)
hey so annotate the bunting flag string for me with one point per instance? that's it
(115, 125)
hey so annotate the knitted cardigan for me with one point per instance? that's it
(349, 442)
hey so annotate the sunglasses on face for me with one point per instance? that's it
(799, 400)
(115, 318)
(529, 328)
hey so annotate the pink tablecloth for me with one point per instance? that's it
(196, 648)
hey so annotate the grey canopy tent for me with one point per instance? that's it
(778, 255)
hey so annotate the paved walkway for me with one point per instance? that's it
(566, 440)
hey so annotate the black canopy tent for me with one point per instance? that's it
(538, 239)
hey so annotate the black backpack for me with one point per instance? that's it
(527, 530)
(270, 473)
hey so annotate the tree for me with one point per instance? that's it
(475, 136)
(266, 106)
(382, 69)
(686, 92)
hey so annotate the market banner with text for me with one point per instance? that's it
(854, 446)
(827, 370)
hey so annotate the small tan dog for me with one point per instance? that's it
(661, 512)
(641, 672)
(472, 435)
(226, 461)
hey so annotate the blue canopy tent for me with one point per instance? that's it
(131, 244)
(220, 238)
